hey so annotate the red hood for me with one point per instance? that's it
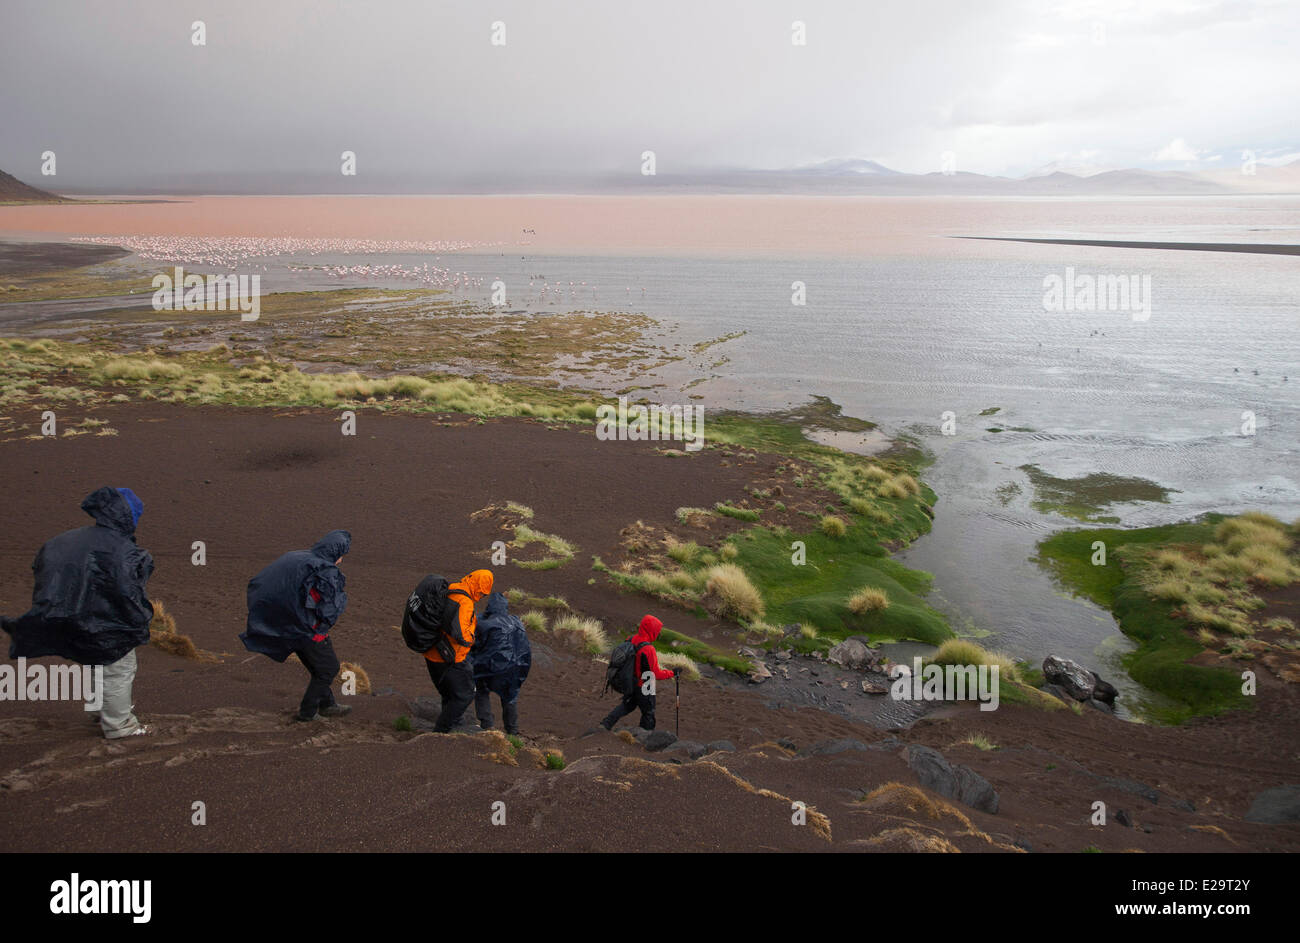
(648, 631)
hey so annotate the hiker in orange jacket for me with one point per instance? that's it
(647, 660)
(455, 682)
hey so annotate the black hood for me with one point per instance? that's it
(332, 546)
(109, 509)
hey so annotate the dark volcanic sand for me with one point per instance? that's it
(253, 483)
(35, 258)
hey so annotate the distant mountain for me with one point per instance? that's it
(844, 166)
(1063, 167)
(13, 190)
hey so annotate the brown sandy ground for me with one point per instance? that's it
(252, 483)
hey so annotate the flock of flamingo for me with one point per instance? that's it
(232, 253)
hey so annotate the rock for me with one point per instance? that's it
(690, 747)
(1122, 817)
(721, 746)
(783, 655)
(831, 747)
(844, 685)
(426, 707)
(955, 782)
(658, 740)
(791, 629)
(1100, 705)
(1077, 680)
(1104, 690)
(873, 687)
(1276, 806)
(759, 673)
(787, 744)
(851, 653)
(752, 654)
(1058, 692)
(421, 723)
(889, 744)
(640, 733)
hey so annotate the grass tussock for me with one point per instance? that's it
(833, 526)
(359, 675)
(868, 599)
(690, 670)
(534, 621)
(732, 594)
(164, 636)
(587, 633)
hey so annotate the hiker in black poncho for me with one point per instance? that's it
(292, 605)
(501, 656)
(89, 603)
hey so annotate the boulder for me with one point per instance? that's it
(691, 748)
(874, 687)
(721, 746)
(1276, 806)
(657, 740)
(851, 653)
(954, 782)
(1104, 691)
(758, 673)
(1077, 680)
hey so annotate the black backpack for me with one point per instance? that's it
(620, 676)
(432, 618)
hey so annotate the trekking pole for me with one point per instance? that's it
(677, 685)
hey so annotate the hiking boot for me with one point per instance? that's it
(336, 710)
(306, 720)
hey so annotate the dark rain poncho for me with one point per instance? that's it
(281, 611)
(89, 603)
(501, 654)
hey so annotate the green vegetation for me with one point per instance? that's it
(1084, 499)
(1175, 590)
(402, 724)
(740, 514)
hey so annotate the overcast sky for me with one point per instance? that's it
(417, 90)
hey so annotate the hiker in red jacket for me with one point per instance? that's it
(647, 659)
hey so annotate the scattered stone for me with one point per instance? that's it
(783, 655)
(955, 782)
(1100, 705)
(759, 673)
(1276, 806)
(787, 744)
(790, 629)
(888, 744)
(831, 747)
(874, 687)
(658, 740)
(721, 746)
(426, 707)
(852, 653)
(690, 747)
(844, 685)
(1077, 680)
(640, 733)
(1122, 817)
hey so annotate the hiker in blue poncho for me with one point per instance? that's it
(501, 657)
(89, 603)
(292, 606)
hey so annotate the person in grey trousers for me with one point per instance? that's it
(89, 605)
